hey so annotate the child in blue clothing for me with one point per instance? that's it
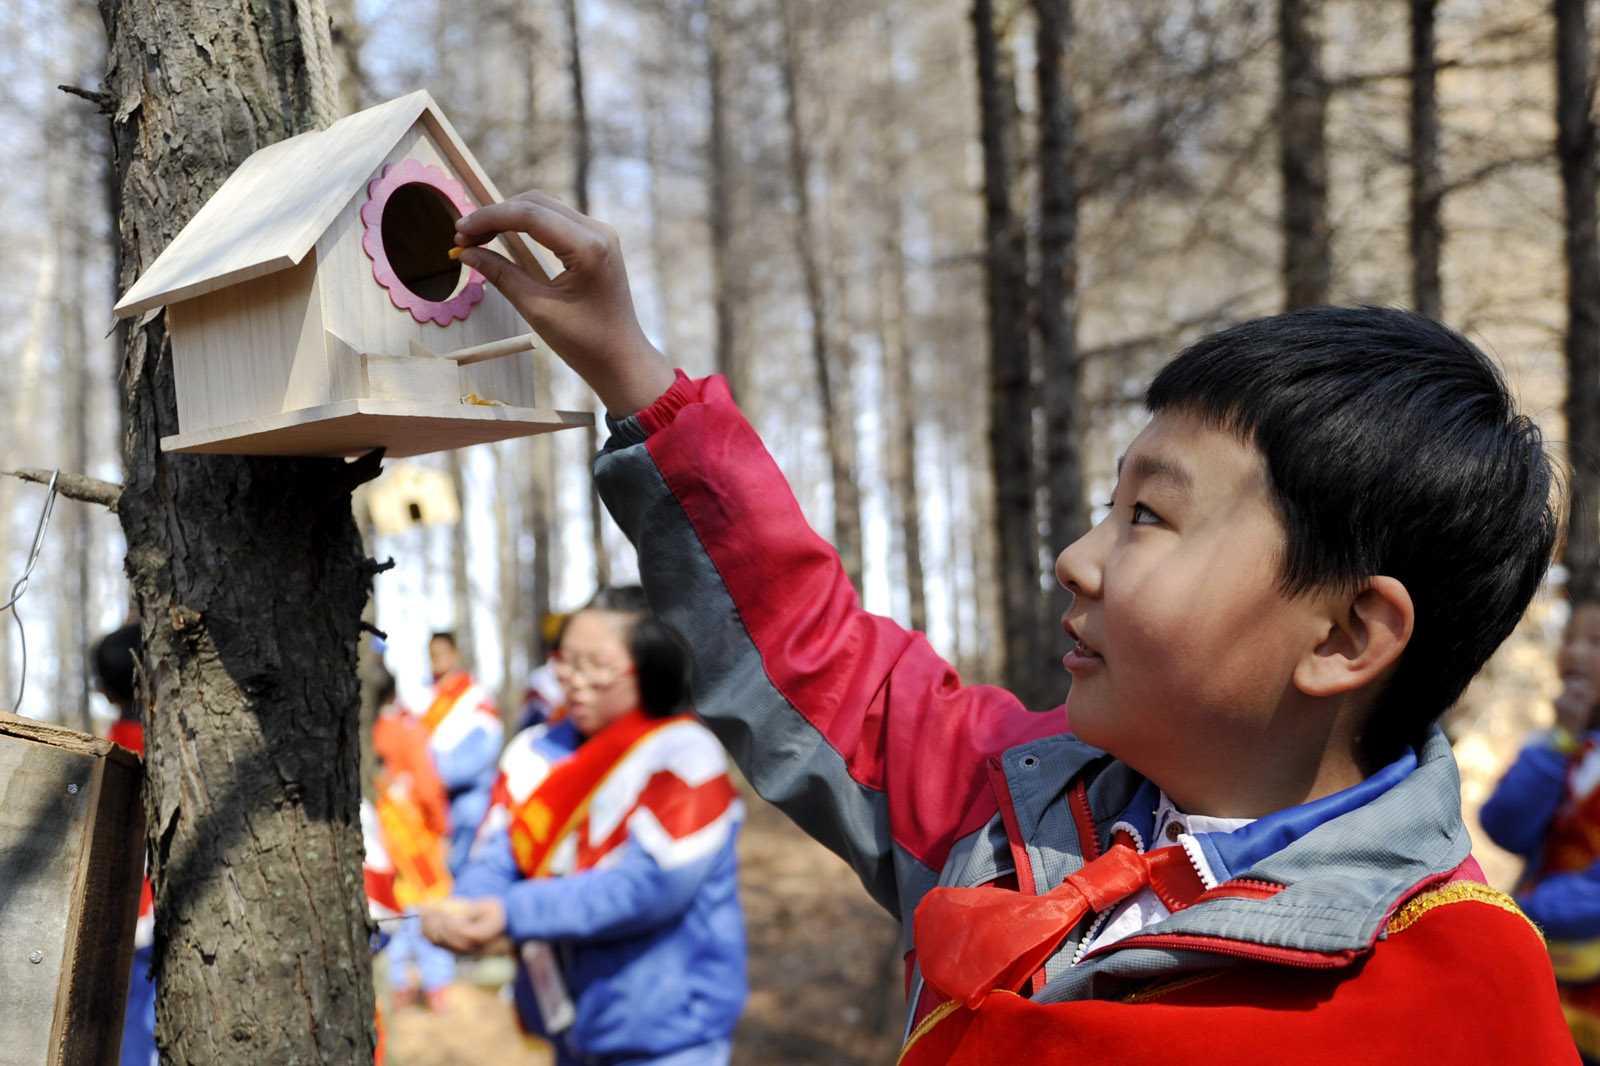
(609, 859)
(1547, 809)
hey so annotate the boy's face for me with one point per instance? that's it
(1187, 644)
(1578, 660)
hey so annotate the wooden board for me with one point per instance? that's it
(353, 427)
(71, 858)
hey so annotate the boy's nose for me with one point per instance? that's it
(1077, 567)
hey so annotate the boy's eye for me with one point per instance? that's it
(1143, 516)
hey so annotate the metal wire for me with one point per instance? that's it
(22, 584)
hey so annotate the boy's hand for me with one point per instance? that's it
(585, 313)
(464, 926)
(1576, 706)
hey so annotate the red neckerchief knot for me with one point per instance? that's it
(971, 941)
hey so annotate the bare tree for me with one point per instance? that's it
(1427, 188)
(1575, 147)
(1303, 160)
(581, 153)
(250, 580)
(462, 595)
(893, 328)
(1064, 422)
(832, 386)
(1010, 388)
(727, 304)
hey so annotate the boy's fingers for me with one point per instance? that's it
(554, 203)
(517, 285)
(558, 231)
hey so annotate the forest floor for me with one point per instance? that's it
(826, 978)
(825, 970)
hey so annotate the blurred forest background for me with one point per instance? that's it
(938, 247)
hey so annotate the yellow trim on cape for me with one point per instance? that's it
(1457, 892)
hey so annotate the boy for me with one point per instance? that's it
(1331, 521)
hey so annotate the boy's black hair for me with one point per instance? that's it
(446, 635)
(113, 656)
(1393, 448)
(662, 662)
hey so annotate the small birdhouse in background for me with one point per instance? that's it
(314, 309)
(409, 495)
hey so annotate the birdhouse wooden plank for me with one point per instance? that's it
(71, 862)
(314, 309)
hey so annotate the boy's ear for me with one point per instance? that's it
(1367, 631)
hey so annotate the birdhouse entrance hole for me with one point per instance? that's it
(419, 226)
(409, 224)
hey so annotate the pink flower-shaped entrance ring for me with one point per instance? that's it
(409, 223)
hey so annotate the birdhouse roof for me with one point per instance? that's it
(271, 212)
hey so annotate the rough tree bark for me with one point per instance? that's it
(1010, 400)
(1303, 158)
(1575, 147)
(1064, 425)
(250, 579)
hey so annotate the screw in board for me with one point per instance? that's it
(72, 789)
(35, 956)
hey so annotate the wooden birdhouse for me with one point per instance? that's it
(314, 309)
(410, 495)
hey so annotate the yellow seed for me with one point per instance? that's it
(455, 251)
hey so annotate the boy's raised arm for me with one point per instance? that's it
(856, 728)
(585, 313)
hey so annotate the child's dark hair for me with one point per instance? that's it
(1393, 448)
(114, 656)
(662, 662)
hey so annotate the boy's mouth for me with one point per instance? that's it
(1082, 650)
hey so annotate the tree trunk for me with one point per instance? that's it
(511, 619)
(1427, 231)
(900, 403)
(539, 509)
(1575, 146)
(729, 360)
(250, 580)
(580, 192)
(77, 606)
(1303, 162)
(348, 36)
(1010, 401)
(461, 591)
(25, 400)
(1068, 513)
(833, 397)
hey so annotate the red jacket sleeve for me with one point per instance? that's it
(853, 725)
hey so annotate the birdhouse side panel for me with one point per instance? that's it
(249, 350)
(416, 232)
(507, 380)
